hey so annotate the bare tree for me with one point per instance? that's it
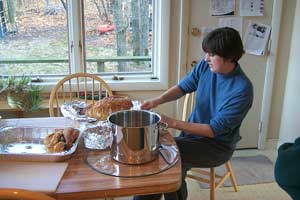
(11, 10)
(64, 4)
(135, 25)
(140, 27)
(102, 9)
(144, 27)
(3, 28)
(121, 25)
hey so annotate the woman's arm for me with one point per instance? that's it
(171, 94)
(193, 128)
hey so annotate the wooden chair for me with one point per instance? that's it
(207, 175)
(79, 86)
(14, 193)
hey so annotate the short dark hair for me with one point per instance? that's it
(225, 42)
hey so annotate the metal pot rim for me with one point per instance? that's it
(127, 111)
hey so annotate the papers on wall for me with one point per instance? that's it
(233, 22)
(256, 38)
(221, 7)
(251, 7)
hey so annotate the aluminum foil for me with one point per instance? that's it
(98, 136)
(75, 110)
(27, 144)
(136, 105)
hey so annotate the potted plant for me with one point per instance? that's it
(21, 93)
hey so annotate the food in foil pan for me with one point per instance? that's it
(98, 136)
(27, 144)
(61, 140)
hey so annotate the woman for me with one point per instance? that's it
(224, 95)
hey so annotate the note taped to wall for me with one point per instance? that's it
(221, 7)
(251, 7)
(256, 38)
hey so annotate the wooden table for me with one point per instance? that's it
(82, 182)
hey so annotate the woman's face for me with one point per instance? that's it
(218, 64)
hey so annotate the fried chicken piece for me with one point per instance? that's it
(70, 135)
(56, 148)
(61, 140)
(53, 138)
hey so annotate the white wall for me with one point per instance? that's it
(290, 119)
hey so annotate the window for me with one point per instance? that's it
(33, 38)
(124, 41)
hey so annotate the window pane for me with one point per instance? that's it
(33, 38)
(118, 36)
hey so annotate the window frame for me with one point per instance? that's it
(160, 54)
(131, 82)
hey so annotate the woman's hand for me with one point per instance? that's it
(147, 105)
(170, 122)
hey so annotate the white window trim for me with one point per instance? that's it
(75, 31)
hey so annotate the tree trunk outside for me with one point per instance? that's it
(2, 21)
(140, 27)
(64, 4)
(144, 27)
(104, 11)
(121, 25)
(11, 9)
(135, 25)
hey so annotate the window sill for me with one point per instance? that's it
(121, 85)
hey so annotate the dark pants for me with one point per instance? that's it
(201, 153)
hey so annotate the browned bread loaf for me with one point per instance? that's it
(103, 108)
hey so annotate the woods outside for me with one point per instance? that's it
(35, 29)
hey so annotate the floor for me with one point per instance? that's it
(249, 192)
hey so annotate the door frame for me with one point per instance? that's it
(270, 74)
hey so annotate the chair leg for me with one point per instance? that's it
(212, 184)
(232, 177)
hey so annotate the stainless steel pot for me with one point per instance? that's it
(135, 136)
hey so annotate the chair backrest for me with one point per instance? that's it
(14, 193)
(188, 105)
(79, 86)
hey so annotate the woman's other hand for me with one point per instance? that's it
(170, 122)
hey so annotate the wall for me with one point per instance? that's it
(290, 126)
(286, 27)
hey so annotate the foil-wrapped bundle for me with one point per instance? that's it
(76, 110)
(98, 136)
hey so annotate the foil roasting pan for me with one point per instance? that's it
(27, 144)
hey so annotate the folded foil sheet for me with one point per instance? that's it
(75, 110)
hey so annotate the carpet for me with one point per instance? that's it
(248, 170)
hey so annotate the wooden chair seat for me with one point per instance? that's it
(79, 86)
(203, 175)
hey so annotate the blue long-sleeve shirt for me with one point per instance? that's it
(222, 100)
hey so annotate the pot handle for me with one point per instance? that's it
(163, 126)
